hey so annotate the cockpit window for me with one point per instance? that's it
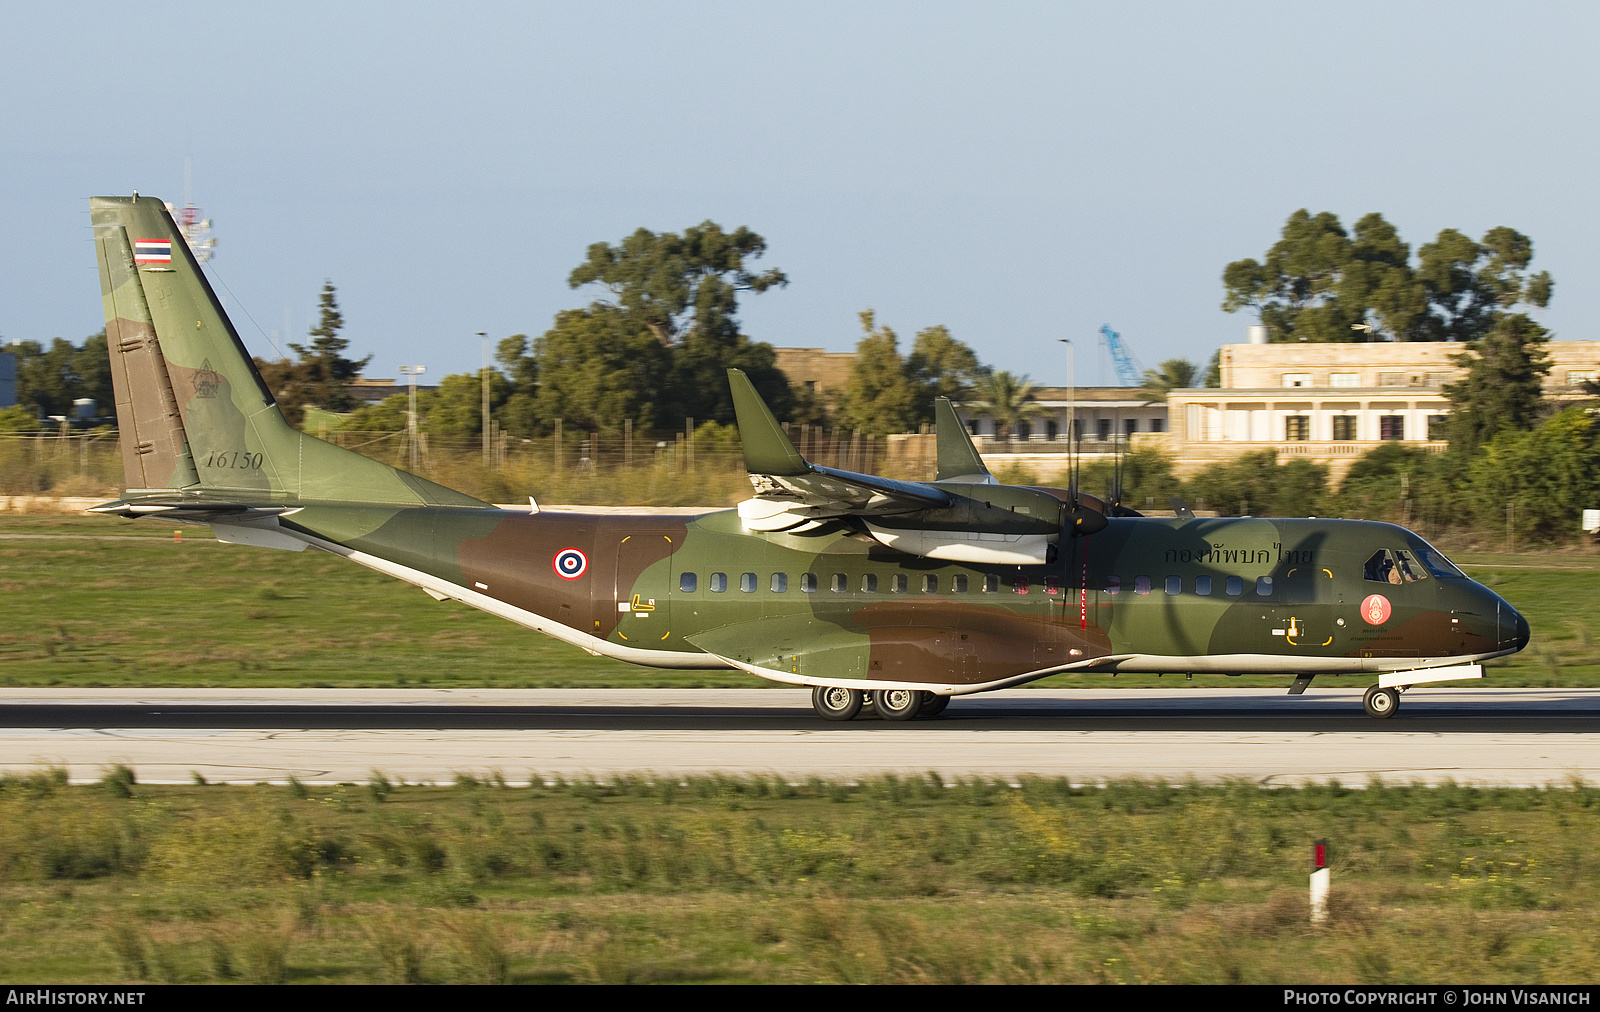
(1381, 568)
(1410, 569)
(1440, 566)
(1394, 567)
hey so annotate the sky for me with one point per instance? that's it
(1018, 172)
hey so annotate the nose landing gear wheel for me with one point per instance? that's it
(1381, 703)
(897, 704)
(834, 703)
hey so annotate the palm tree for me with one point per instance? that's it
(1007, 399)
(1173, 374)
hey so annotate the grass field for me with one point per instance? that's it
(99, 602)
(754, 880)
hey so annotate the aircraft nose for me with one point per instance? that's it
(1513, 630)
(1522, 632)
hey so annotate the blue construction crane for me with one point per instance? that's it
(1127, 370)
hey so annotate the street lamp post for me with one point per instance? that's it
(411, 373)
(1072, 397)
(485, 397)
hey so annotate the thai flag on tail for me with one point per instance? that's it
(152, 251)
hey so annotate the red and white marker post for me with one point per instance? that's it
(1320, 880)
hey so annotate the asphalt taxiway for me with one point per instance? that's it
(1471, 735)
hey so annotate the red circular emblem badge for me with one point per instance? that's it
(570, 563)
(1375, 609)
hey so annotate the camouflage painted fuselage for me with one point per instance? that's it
(831, 606)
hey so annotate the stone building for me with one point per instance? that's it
(1332, 403)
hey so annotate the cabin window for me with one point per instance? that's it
(719, 582)
(1297, 428)
(1052, 585)
(687, 582)
(1344, 428)
(1113, 585)
(958, 583)
(1019, 584)
(841, 583)
(747, 582)
(1202, 586)
(1234, 586)
(1263, 586)
(930, 584)
(991, 583)
(780, 583)
(1141, 584)
(1174, 585)
(899, 583)
(808, 583)
(1391, 426)
(869, 583)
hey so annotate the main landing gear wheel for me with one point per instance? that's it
(898, 704)
(1381, 703)
(933, 704)
(834, 703)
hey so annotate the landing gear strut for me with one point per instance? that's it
(834, 703)
(1381, 703)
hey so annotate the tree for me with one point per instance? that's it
(322, 375)
(599, 366)
(48, 381)
(1321, 283)
(519, 415)
(878, 399)
(1173, 374)
(683, 290)
(1006, 398)
(456, 408)
(1548, 475)
(1318, 281)
(1472, 285)
(940, 366)
(1255, 484)
(1503, 387)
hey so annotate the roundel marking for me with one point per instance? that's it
(570, 563)
(1375, 609)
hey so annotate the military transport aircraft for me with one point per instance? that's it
(895, 593)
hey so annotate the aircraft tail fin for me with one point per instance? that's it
(767, 448)
(958, 458)
(194, 415)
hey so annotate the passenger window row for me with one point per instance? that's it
(1233, 586)
(900, 583)
(870, 583)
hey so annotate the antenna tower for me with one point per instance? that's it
(196, 230)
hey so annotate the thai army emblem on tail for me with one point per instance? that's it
(206, 380)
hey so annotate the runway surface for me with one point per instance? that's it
(1483, 735)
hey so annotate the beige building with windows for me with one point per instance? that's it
(1332, 403)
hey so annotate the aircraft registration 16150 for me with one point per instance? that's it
(893, 594)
